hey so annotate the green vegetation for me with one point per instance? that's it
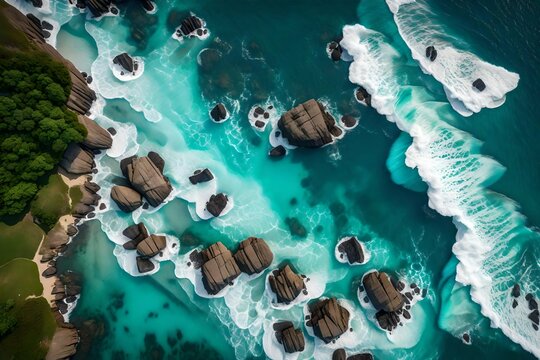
(7, 317)
(51, 202)
(19, 241)
(19, 279)
(35, 125)
(76, 195)
(11, 37)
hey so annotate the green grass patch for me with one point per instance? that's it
(31, 337)
(19, 279)
(51, 202)
(19, 241)
(76, 195)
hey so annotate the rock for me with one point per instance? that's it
(278, 151)
(152, 245)
(125, 61)
(514, 304)
(339, 354)
(219, 113)
(89, 80)
(157, 160)
(363, 356)
(431, 53)
(46, 25)
(516, 291)
(466, 338)
(63, 344)
(353, 249)
(363, 96)
(148, 5)
(329, 319)
(146, 178)
(48, 272)
(335, 51)
(286, 284)
(37, 3)
(97, 137)
(295, 227)
(258, 111)
(126, 198)
(91, 187)
(72, 230)
(259, 124)
(349, 121)
(253, 255)
(533, 305)
(479, 85)
(534, 317)
(190, 24)
(112, 131)
(387, 320)
(200, 176)
(381, 292)
(307, 125)
(81, 210)
(98, 7)
(144, 265)
(292, 339)
(219, 268)
(216, 204)
(77, 160)
(136, 233)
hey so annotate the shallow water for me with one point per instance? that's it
(362, 185)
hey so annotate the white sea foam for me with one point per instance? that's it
(123, 75)
(491, 234)
(454, 68)
(268, 108)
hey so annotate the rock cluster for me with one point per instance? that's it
(329, 319)
(479, 85)
(136, 233)
(341, 354)
(147, 245)
(431, 53)
(151, 246)
(126, 62)
(200, 176)
(308, 125)
(386, 299)
(253, 255)
(363, 96)
(191, 25)
(96, 7)
(286, 284)
(349, 121)
(97, 138)
(145, 175)
(335, 50)
(353, 250)
(292, 339)
(216, 204)
(219, 113)
(532, 305)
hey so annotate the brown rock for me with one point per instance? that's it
(77, 160)
(278, 151)
(126, 198)
(292, 339)
(147, 178)
(253, 255)
(97, 137)
(382, 292)
(125, 61)
(200, 176)
(363, 96)
(218, 113)
(286, 284)
(136, 233)
(219, 268)
(329, 319)
(387, 320)
(144, 265)
(216, 204)
(339, 354)
(152, 245)
(353, 250)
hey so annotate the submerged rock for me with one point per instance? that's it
(219, 268)
(431, 53)
(125, 61)
(292, 339)
(216, 204)
(328, 319)
(349, 121)
(308, 125)
(296, 227)
(381, 292)
(200, 176)
(219, 113)
(286, 284)
(253, 255)
(353, 249)
(278, 151)
(152, 245)
(479, 85)
(126, 198)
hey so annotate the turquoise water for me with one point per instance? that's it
(388, 182)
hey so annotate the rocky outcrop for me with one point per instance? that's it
(126, 198)
(381, 292)
(253, 255)
(96, 7)
(63, 344)
(431, 53)
(353, 250)
(219, 268)
(148, 5)
(308, 125)
(387, 320)
(136, 233)
(341, 354)
(147, 177)
(278, 151)
(363, 96)
(335, 50)
(81, 210)
(328, 319)
(286, 284)
(216, 204)
(292, 339)
(219, 113)
(152, 245)
(349, 121)
(190, 24)
(97, 138)
(125, 61)
(144, 265)
(200, 176)
(479, 85)
(77, 160)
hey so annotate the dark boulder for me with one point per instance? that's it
(362, 95)
(328, 319)
(157, 160)
(339, 354)
(148, 5)
(296, 227)
(534, 317)
(286, 284)
(219, 268)
(77, 160)
(278, 151)
(381, 292)
(259, 124)
(190, 24)
(126, 198)
(516, 290)
(152, 245)
(125, 61)
(81, 210)
(253, 255)
(50, 271)
(353, 249)
(72, 230)
(144, 265)
(387, 320)
(292, 339)
(335, 50)
(308, 125)
(216, 204)
(92, 187)
(363, 356)
(349, 121)
(98, 7)
(479, 85)
(136, 233)
(431, 53)
(200, 176)
(219, 113)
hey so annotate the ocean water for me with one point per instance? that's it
(439, 182)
